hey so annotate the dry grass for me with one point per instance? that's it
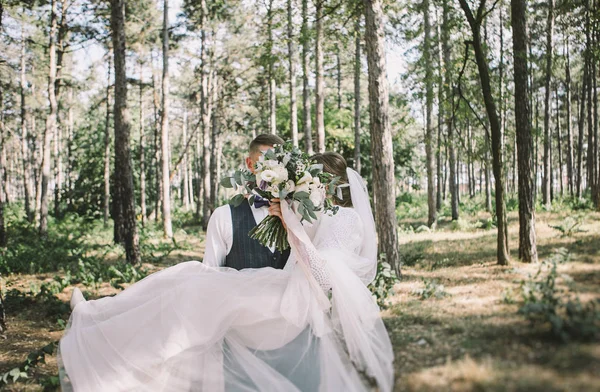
(472, 339)
(468, 340)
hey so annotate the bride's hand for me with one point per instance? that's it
(275, 209)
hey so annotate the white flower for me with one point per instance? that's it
(317, 196)
(286, 158)
(304, 187)
(273, 190)
(316, 181)
(268, 175)
(305, 178)
(271, 163)
(289, 186)
(282, 173)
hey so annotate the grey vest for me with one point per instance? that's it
(247, 252)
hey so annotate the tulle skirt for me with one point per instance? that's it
(195, 328)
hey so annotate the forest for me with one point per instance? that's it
(474, 122)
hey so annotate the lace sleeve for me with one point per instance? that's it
(342, 231)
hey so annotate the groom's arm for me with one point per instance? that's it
(219, 237)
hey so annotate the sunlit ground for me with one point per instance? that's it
(469, 339)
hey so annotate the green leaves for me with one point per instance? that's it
(237, 200)
(227, 182)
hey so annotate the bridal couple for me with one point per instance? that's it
(247, 318)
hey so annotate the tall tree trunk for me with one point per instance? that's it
(142, 146)
(559, 144)
(429, 142)
(185, 165)
(547, 181)
(440, 122)
(205, 121)
(50, 121)
(338, 63)
(320, 78)
(271, 66)
(123, 172)
(106, 196)
(164, 140)
(3, 233)
(306, 106)
(292, 65)
(588, 73)
(527, 237)
(157, 168)
(581, 131)
(569, 129)
(381, 136)
(490, 105)
(24, 135)
(357, 73)
(214, 144)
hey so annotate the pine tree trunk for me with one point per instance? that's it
(429, 142)
(142, 147)
(490, 105)
(381, 136)
(205, 119)
(357, 73)
(271, 65)
(449, 94)
(123, 171)
(184, 169)
(559, 145)
(24, 136)
(547, 180)
(527, 236)
(569, 127)
(306, 106)
(338, 62)
(3, 233)
(164, 139)
(292, 65)
(214, 144)
(50, 121)
(157, 154)
(320, 78)
(440, 122)
(106, 196)
(581, 129)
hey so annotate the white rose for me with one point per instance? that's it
(304, 187)
(273, 190)
(289, 186)
(272, 163)
(317, 196)
(305, 178)
(268, 175)
(282, 173)
(316, 181)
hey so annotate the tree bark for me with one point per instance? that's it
(547, 181)
(50, 121)
(429, 142)
(205, 121)
(158, 179)
(440, 117)
(381, 136)
(271, 72)
(185, 165)
(142, 146)
(569, 127)
(106, 196)
(24, 134)
(306, 106)
(527, 236)
(559, 144)
(3, 233)
(357, 73)
(449, 120)
(581, 129)
(490, 105)
(320, 78)
(123, 171)
(164, 140)
(292, 65)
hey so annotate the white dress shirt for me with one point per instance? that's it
(219, 234)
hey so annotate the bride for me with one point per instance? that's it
(311, 326)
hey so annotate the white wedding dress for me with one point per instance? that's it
(196, 328)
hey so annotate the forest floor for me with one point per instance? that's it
(453, 320)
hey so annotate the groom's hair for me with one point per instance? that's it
(264, 139)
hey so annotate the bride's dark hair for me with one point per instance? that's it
(335, 164)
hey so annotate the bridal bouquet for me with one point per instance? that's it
(285, 173)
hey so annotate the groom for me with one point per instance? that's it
(229, 245)
(227, 241)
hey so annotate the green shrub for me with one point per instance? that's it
(431, 288)
(545, 303)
